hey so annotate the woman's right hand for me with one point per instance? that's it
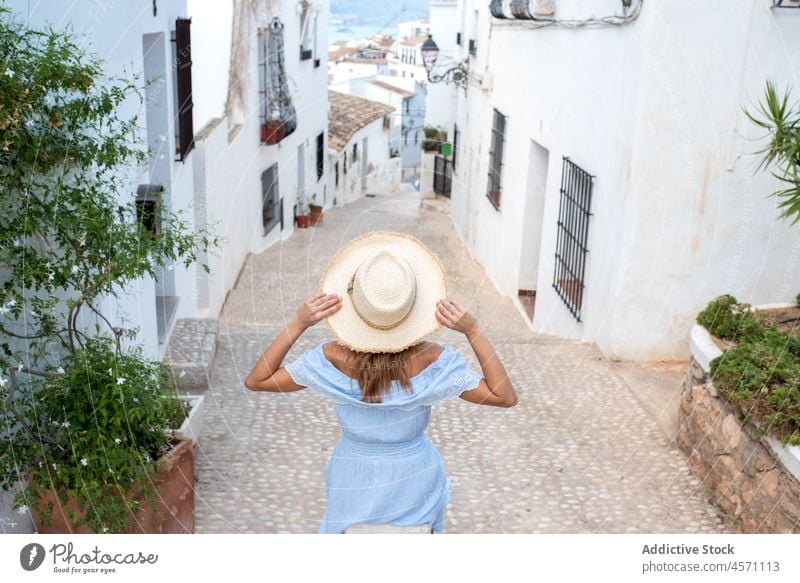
(453, 315)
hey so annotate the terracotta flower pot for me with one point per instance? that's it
(272, 132)
(317, 215)
(174, 509)
(302, 221)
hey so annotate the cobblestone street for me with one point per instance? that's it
(578, 453)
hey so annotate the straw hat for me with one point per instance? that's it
(389, 283)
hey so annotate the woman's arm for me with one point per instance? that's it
(495, 388)
(268, 374)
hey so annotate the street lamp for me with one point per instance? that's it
(457, 74)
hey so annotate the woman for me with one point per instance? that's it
(381, 294)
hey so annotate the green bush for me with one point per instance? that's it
(726, 318)
(103, 422)
(761, 375)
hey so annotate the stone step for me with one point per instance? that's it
(191, 352)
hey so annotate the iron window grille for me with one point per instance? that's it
(473, 46)
(336, 173)
(184, 135)
(458, 38)
(320, 155)
(149, 205)
(572, 231)
(496, 159)
(269, 198)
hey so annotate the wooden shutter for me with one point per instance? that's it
(183, 50)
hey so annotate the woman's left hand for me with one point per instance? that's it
(317, 307)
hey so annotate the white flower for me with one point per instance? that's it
(12, 302)
(65, 424)
(2, 382)
(50, 276)
(60, 370)
(3, 310)
(75, 269)
(84, 461)
(135, 399)
(120, 380)
(9, 73)
(34, 314)
(55, 467)
(182, 374)
(118, 441)
(170, 267)
(105, 529)
(19, 366)
(23, 509)
(110, 371)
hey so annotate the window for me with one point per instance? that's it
(269, 199)
(407, 104)
(344, 163)
(405, 137)
(276, 112)
(355, 153)
(473, 46)
(306, 28)
(336, 173)
(148, 208)
(572, 230)
(387, 122)
(320, 155)
(416, 137)
(458, 38)
(182, 56)
(455, 144)
(496, 159)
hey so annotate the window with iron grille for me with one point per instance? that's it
(496, 159)
(455, 145)
(336, 173)
(182, 55)
(269, 198)
(473, 46)
(320, 155)
(458, 38)
(572, 235)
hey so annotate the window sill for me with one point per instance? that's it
(491, 200)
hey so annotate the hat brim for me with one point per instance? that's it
(349, 328)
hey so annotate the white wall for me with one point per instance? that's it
(653, 110)
(441, 98)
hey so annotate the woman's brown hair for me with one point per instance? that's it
(376, 370)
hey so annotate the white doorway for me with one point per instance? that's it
(531, 244)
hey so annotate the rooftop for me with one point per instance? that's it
(348, 114)
(390, 87)
(415, 41)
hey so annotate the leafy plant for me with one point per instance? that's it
(70, 237)
(782, 152)
(761, 374)
(726, 318)
(433, 138)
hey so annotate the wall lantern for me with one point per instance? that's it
(458, 74)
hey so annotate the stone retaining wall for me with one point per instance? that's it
(739, 470)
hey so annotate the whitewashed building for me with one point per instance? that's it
(358, 136)
(210, 162)
(604, 163)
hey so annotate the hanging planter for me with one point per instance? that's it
(280, 118)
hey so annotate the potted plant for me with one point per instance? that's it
(317, 212)
(88, 422)
(302, 216)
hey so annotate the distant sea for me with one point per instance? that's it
(356, 29)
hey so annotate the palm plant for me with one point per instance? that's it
(782, 153)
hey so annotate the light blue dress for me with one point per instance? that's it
(384, 469)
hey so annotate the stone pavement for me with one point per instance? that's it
(578, 453)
